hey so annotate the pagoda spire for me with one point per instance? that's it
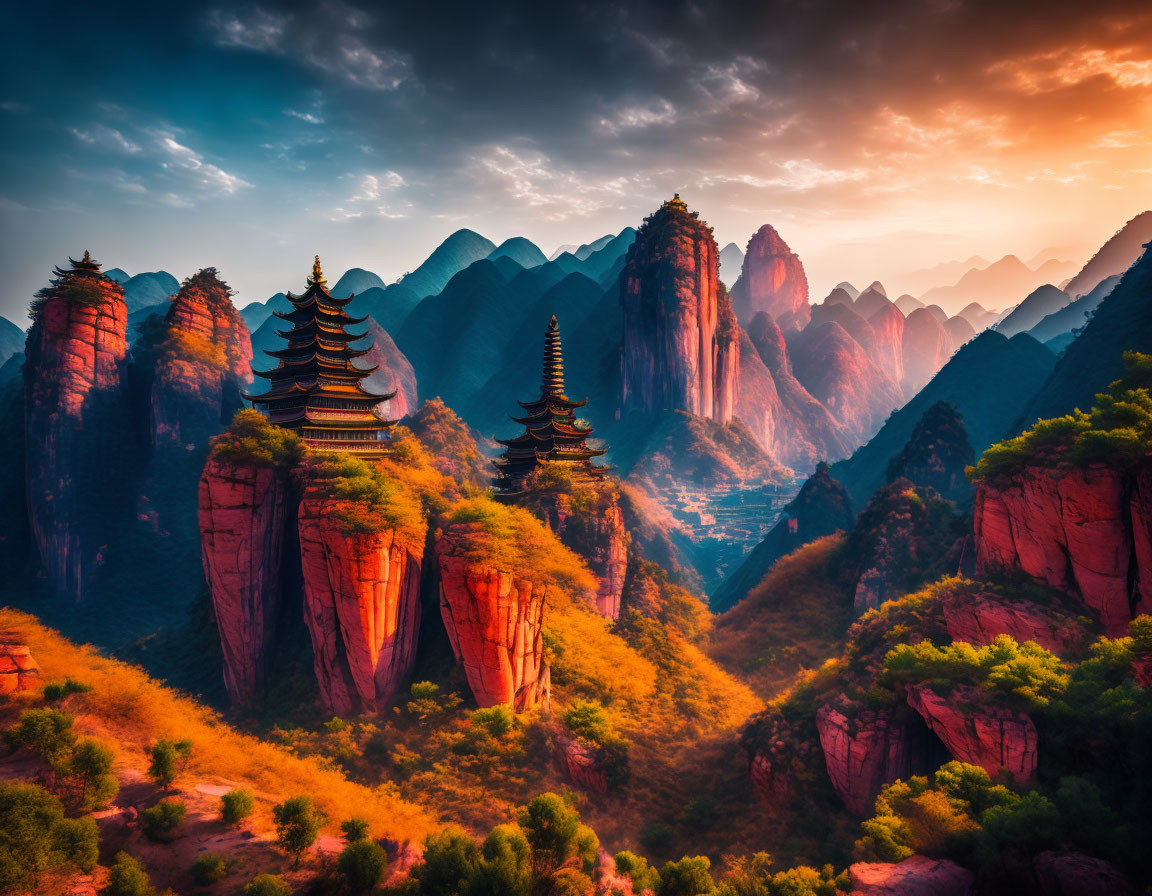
(552, 383)
(317, 278)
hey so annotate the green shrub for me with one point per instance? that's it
(35, 836)
(687, 877)
(252, 439)
(655, 836)
(1140, 631)
(235, 806)
(159, 822)
(90, 773)
(47, 731)
(496, 720)
(362, 863)
(128, 878)
(556, 836)
(56, 691)
(266, 885)
(450, 858)
(642, 875)
(209, 868)
(298, 823)
(168, 761)
(355, 829)
(427, 701)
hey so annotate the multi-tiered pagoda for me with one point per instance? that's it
(552, 433)
(315, 389)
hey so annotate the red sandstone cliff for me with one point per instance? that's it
(494, 621)
(1084, 530)
(18, 670)
(978, 619)
(888, 326)
(772, 280)
(394, 373)
(991, 737)
(361, 606)
(680, 348)
(244, 512)
(915, 876)
(72, 380)
(578, 763)
(201, 364)
(865, 752)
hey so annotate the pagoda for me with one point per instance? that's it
(315, 388)
(551, 432)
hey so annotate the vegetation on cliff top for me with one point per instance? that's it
(252, 440)
(1118, 430)
(76, 291)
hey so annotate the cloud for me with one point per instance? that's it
(105, 137)
(799, 175)
(253, 29)
(373, 186)
(1127, 67)
(12, 106)
(310, 117)
(204, 176)
(658, 112)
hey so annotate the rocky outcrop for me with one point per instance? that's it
(915, 876)
(578, 763)
(864, 752)
(979, 618)
(494, 621)
(772, 280)
(18, 670)
(926, 347)
(1083, 530)
(887, 324)
(244, 514)
(680, 348)
(774, 785)
(393, 373)
(201, 364)
(1075, 874)
(991, 737)
(361, 606)
(72, 404)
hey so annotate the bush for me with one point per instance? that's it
(687, 877)
(362, 863)
(128, 878)
(56, 691)
(753, 876)
(168, 761)
(47, 731)
(266, 885)
(90, 772)
(496, 720)
(298, 822)
(1140, 631)
(35, 836)
(354, 829)
(450, 858)
(642, 875)
(235, 806)
(427, 701)
(161, 820)
(209, 868)
(252, 439)
(556, 836)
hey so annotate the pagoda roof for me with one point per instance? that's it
(552, 400)
(351, 391)
(291, 367)
(312, 347)
(304, 314)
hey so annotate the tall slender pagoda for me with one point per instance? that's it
(315, 388)
(551, 432)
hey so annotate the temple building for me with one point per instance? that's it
(315, 388)
(552, 434)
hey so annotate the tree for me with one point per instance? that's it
(91, 773)
(450, 860)
(161, 820)
(266, 885)
(35, 835)
(505, 867)
(362, 863)
(687, 877)
(128, 878)
(556, 836)
(354, 829)
(638, 870)
(168, 761)
(209, 868)
(47, 731)
(298, 823)
(235, 806)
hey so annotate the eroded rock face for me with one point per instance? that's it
(18, 670)
(578, 763)
(888, 326)
(864, 753)
(915, 876)
(1075, 874)
(978, 619)
(202, 363)
(244, 514)
(926, 347)
(680, 346)
(1082, 530)
(72, 405)
(494, 621)
(772, 280)
(991, 737)
(361, 606)
(775, 786)
(394, 371)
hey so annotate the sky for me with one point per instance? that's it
(878, 138)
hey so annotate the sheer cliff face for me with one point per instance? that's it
(72, 398)
(202, 363)
(495, 623)
(361, 606)
(1085, 531)
(244, 515)
(680, 343)
(772, 280)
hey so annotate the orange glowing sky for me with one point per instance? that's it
(879, 139)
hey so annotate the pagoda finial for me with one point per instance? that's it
(87, 257)
(552, 382)
(317, 274)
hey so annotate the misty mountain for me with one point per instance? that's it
(522, 251)
(1115, 256)
(1000, 284)
(1055, 330)
(11, 339)
(922, 280)
(988, 380)
(461, 249)
(151, 288)
(731, 261)
(356, 281)
(1041, 302)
